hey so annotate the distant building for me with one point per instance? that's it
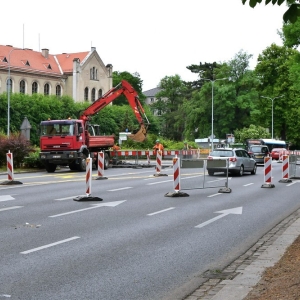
(82, 75)
(151, 99)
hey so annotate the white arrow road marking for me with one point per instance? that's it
(161, 211)
(224, 213)
(9, 208)
(51, 245)
(110, 204)
(6, 198)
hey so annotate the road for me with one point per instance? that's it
(136, 244)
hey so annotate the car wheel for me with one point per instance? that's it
(210, 173)
(253, 172)
(241, 171)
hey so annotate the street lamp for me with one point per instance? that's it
(9, 85)
(212, 109)
(272, 99)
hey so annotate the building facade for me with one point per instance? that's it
(82, 75)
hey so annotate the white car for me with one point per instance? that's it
(239, 161)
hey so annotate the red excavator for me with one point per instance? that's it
(69, 142)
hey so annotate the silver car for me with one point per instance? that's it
(239, 161)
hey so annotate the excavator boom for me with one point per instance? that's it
(124, 88)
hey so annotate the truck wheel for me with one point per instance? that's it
(82, 164)
(73, 166)
(50, 168)
(106, 161)
(210, 173)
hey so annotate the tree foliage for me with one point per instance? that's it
(251, 132)
(291, 14)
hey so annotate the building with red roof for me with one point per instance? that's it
(82, 75)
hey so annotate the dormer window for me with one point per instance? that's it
(26, 63)
(48, 66)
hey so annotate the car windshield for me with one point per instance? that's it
(222, 153)
(256, 149)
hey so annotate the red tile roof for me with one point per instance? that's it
(32, 61)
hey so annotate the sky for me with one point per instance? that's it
(154, 38)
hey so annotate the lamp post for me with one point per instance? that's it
(272, 99)
(9, 85)
(212, 109)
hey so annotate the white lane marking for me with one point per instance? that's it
(120, 189)
(6, 198)
(293, 183)
(110, 204)
(5, 296)
(158, 182)
(214, 195)
(248, 184)
(51, 245)
(161, 211)
(9, 208)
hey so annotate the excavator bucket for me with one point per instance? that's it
(140, 135)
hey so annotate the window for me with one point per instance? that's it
(151, 100)
(100, 93)
(58, 90)
(93, 73)
(34, 88)
(93, 95)
(86, 94)
(46, 89)
(22, 87)
(9, 85)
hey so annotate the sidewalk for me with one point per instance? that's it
(245, 272)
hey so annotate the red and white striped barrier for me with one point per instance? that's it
(153, 152)
(176, 172)
(268, 172)
(100, 166)
(88, 176)
(10, 166)
(148, 159)
(285, 169)
(158, 161)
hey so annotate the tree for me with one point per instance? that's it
(278, 73)
(292, 13)
(170, 101)
(134, 80)
(251, 132)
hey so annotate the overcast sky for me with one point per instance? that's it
(155, 38)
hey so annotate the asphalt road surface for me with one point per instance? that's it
(135, 244)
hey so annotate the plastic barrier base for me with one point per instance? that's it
(285, 180)
(87, 198)
(176, 194)
(10, 182)
(224, 190)
(100, 178)
(268, 185)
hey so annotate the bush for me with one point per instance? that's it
(33, 159)
(17, 145)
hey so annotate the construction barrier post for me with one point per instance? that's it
(88, 184)
(285, 169)
(158, 164)
(10, 170)
(101, 166)
(268, 173)
(176, 173)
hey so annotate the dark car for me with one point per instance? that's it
(259, 152)
(239, 161)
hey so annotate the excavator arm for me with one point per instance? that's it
(124, 88)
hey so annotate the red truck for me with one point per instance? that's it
(69, 142)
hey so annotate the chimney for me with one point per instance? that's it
(45, 52)
(93, 49)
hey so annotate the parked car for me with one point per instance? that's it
(275, 153)
(259, 152)
(239, 161)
